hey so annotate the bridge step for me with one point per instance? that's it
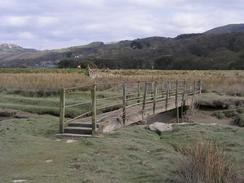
(78, 130)
(80, 124)
(73, 135)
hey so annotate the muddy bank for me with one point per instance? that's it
(9, 113)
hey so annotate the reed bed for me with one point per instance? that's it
(231, 82)
(41, 81)
(225, 81)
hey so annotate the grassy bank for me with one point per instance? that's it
(30, 151)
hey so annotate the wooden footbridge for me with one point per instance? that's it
(105, 107)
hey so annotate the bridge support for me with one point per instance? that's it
(176, 102)
(155, 91)
(144, 100)
(93, 109)
(183, 103)
(62, 111)
(124, 104)
(138, 91)
(167, 96)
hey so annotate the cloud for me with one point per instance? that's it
(55, 24)
(26, 35)
(15, 21)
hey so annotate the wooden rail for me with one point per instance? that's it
(138, 95)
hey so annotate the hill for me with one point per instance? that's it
(219, 48)
(227, 29)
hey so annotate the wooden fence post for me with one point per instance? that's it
(194, 88)
(200, 87)
(93, 108)
(62, 111)
(176, 101)
(183, 103)
(186, 93)
(155, 96)
(138, 91)
(167, 96)
(144, 100)
(162, 89)
(124, 103)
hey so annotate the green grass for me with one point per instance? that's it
(224, 106)
(50, 104)
(214, 100)
(129, 155)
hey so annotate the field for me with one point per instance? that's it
(30, 151)
(37, 90)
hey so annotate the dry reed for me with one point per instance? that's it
(41, 81)
(231, 82)
(206, 163)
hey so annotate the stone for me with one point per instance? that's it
(49, 161)
(20, 180)
(160, 127)
(69, 141)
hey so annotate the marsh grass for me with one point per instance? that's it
(133, 154)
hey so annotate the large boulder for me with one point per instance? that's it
(160, 127)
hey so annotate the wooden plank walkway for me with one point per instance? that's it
(147, 99)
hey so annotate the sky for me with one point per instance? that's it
(49, 24)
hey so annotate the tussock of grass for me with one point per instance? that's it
(239, 120)
(206, 162)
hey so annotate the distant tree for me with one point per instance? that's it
(68, 54)
(136, 45)
(70, 63)
(239, 63)
(198, 50)
(164, 62)
(67, 63)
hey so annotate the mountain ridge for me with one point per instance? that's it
(139, 53)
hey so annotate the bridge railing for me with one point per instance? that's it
(96, 102)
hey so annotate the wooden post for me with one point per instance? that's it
(152, 83)
(162, 89)
(62, 111)
(193, 95)
(144, 100)
(93, 108)
(138, 91)
(124, 103)
(170, 87)
(176, 101)
(167, 96)
(183, 103)
(187, 91)
(194, 88)
(200, 87)
(155, 96)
